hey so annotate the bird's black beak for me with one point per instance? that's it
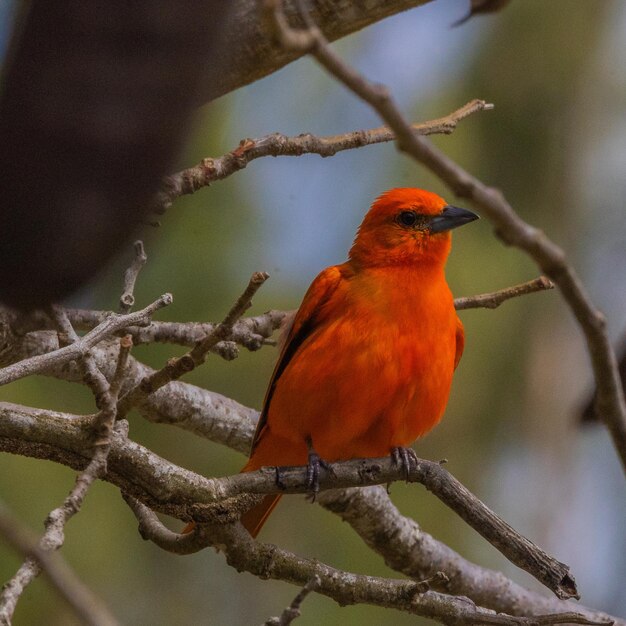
(451, 217)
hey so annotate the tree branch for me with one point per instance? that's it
(516, 548)
(176, 367)
(98, 446)
(199, 502)
(494, 299)
(85, 604)
(210, 170)
(41, 363)
(407, 548)
(163, 486)
(610, 402)
(292, 612)
(251, 332)
(127, 299)
(255, 56)
(268, 561)
(202, 412)
(151, 528)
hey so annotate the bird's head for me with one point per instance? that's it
(407, 226)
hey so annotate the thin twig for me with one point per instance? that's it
(210, 170)
(496, 298)
(76, 350)
(250, 332)
(492, 204)
(67, 337)
(126, 344)
(176, 367)
(293, 610)
(151, 528)
(89, 608)
(101, 428)
(127, 299)
(100, 442)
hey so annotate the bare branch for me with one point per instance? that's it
(170, 489)
(293, 610)
(186, 491)
(250, 332)
(210, 170)
(407, 548)
(126, 344)
(610, 403)
(67, 337)
(205, 413)
(519, 550)
(127, 299)
(114, 323)
(151, 528)
(85, 604)
(509, 226)
(100, 444)
(496, 298)
(268, 561)
(176, 367)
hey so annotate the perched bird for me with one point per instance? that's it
(366, 367)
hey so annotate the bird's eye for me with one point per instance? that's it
(407, 218)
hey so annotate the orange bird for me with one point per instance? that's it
(366, 366)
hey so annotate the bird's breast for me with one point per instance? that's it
(376, 372)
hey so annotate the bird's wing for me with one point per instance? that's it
(306, 320)
(460, 342)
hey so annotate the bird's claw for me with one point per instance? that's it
(313, 472)
(278, 480)
(404, 458)
(312, 481)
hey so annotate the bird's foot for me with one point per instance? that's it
(278, 480)
(404, 458)
(313, 470)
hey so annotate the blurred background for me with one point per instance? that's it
(555, 143)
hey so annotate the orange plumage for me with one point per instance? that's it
(368, 361)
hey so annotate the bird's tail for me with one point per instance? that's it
(253, 519)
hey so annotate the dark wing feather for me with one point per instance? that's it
(306, 321)
(460, 342)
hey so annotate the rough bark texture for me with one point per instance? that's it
(250, 53)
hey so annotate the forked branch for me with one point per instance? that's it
(178, 366)
(210, 170)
